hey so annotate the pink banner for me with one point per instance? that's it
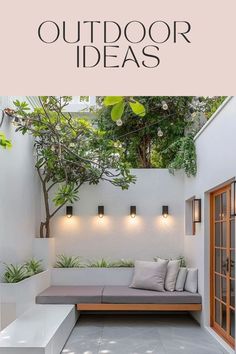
(128, 47)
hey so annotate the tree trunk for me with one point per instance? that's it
(45, 226)
(144, 153)
(45, 229)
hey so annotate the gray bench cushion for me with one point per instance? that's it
(126, 295)
(70, 295)
(113, 295)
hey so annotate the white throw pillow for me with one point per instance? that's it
(149, 275)
(181, 278)
(191, 283)
(171, 274)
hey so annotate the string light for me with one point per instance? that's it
(164, 105)
(148, 126)
(119, 122)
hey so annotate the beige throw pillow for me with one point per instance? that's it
(171, 274)
(180, 281)
(191, 283)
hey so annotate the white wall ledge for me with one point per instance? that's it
(205, 126)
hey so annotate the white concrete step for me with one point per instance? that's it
(43, 329)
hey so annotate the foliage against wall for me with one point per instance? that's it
(163, 135)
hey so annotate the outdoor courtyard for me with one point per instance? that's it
(117, 225)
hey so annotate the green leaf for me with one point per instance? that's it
(17, 103)
(111, 100)
(6, 144)
(117, 111)
(137, 108)
(66, 193)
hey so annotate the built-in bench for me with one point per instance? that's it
(45, 328)
(120, 298)
(40, 330)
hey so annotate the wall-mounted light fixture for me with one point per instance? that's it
(196, 208)
(233, 199)
(100, 211)
(69, 211)
(133, 211)
(165, 211)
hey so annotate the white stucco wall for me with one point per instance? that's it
(216, 146)
(117, 235)
(19, 195)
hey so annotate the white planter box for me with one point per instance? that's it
(91, 276)
(17, 298)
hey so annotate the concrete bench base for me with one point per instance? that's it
(43, 329)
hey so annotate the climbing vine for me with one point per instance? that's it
(185, 156)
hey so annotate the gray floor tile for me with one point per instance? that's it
(139, 334)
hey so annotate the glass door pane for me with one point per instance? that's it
(232, 323)
(232, 292)
(223, 289)
(232, 233)
(217, 234)
(217, 207)
(224, 316)
(232, 263)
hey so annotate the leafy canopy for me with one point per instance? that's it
(70, 151)
(162, 136)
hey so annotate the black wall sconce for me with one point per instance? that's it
(233, 199)
(100, 211)
(165, 211)
(133, 211)
(196, 208)
(69, 211)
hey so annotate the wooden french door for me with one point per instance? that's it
(222, 266)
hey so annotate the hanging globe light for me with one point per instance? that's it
(119, 122)
(164, 105)
(160, 133)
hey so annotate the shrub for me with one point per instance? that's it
(15, 273)
(68, 262)
(103, 263)
(123, 263)
(182, 261)
(33, 267)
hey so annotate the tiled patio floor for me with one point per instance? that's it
(139, 334)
